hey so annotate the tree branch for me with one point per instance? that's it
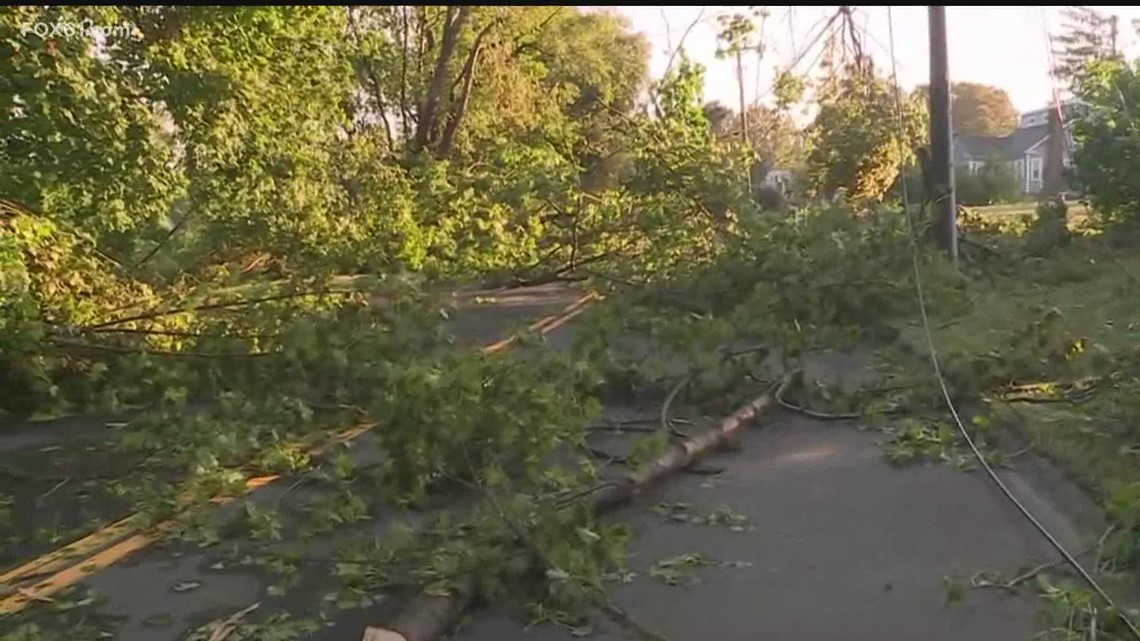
(428, 118)
(460, 109)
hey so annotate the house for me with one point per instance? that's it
(1024, 148)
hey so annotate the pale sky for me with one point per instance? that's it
(1000, 46)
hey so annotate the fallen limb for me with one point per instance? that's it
(1076, 398)
(666, 424)
(605, 457)
(703, 471)
(779, 397)
(980, 245)
(683, 453)
(428, 617)
(629, 624)
(987, 580)
(222, 628)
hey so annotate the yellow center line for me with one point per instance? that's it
(97, 539)
(112, 543)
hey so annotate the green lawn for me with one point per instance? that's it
(1094, 288)
(1078, 213)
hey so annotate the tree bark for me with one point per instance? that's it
(405, 110)
(428, 118)
(455, 118)
(377, 92)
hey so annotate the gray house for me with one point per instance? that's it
(1023, 149)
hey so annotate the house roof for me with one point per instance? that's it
(1010, 147)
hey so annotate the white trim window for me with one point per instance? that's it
(1035, 170)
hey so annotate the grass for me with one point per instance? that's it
(1078, 212)
(1093, 291)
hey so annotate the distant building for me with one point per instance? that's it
(1023, 149)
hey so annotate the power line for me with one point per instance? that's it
(803, 53)
(871, 36)
(1076, 565)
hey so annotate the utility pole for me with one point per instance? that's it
(943, 205)
(1114, 19)
(744, 116)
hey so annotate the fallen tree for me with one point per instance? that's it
(427, 617)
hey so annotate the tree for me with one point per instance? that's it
(772, 134)
(855, 145)
(1087, 36)
(994, 183)
(77, 141)
(735, 38)
(719, 116)
(1107, 157)
(977, 109)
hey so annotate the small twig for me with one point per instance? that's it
(222, 628)
(1039, 385)
(305, 478)
(1075, 399)
(581, 494)
(666, 424)
(628, 623)
(814, 414)
(1018, 453)
(980, 245)
(620, 429)
(53, 490)
(111, 349)
(32, 595)
(704, 471)
(605, 456)
(1100, 545)
(746, 350)
(979, 580)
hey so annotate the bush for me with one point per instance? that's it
(1050, 228)
(996, 183)
(1107, 158)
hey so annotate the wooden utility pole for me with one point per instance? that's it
(744, 116)
(1115, 33)
(943, 205)
(1053, 179)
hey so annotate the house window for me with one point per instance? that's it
(1034, 169)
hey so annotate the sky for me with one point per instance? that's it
(1001, 46)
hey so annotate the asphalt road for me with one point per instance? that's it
(842, 545)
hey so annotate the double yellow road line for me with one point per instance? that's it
(106, 546)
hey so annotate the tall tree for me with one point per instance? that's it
(1107, 155)
(1087, 35)
(978, 109)
(739, 35)
(855, 144)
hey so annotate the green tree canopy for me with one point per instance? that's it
(855, 144)
(977, 109)
(1087, 35)
(1107, 158)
